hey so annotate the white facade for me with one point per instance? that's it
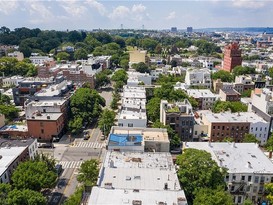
(37, 60)
(246, 177)
(260, 130)
(131, 118)
(205, 96)
(134, 78)
(12, 81)
(16, 54)
(198, 77)
(264, 101)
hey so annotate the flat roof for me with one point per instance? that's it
(125, 140)
(16, 143)
(230, 92)
(232, 117)
(251, 158)
(139, 170)
(45, 116)
(9, 154)
(21, 128)
(100, 196)
(149, 134)
(47, 103)
(128, 114)
(198, 93)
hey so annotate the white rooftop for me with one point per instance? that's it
(251, 158)
(47, 103)
(128, 114)
(9, 154)
(200, 93)
(232, 117)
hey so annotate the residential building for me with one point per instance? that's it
(38, 60)
(198, 77)
(12, 153)
(230, 95)
(138, 139)
(137, 56)
(134, 78)
(28, 87)
(14, 132)
(11, 81)
(133, 92)
(177, 58)
(234, 125)
(204, 97)
(16, 54)
(45, 126)
(137, 178)
(232, 57)
(245, 177)
(48, 69)
(179, 116)
(79, 77)
(132, 118)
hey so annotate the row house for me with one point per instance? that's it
(198, 77)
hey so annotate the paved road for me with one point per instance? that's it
(107, 95)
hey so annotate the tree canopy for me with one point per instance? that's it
(141, 67)
(207, 196)
(221, 106)
(106, 121)
(240, 70)
(250, 138)
(223, 75)
(88, 172)
(269, 144)
(120, 75)
(198, 170)
(34, 175)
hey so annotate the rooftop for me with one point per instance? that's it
(20, 128)
(202, 93)
(149, 134)
(125, 140)
(9, 154)
(128, 114)
(44, 116)
(16, 143)
(252, 159)
(230, 92)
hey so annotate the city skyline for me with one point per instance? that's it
(91, 14)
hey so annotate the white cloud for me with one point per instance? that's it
(7, 7)
(98, 6)
(39, 11)
(248, 4)
(73, 7)
(120, 12)
(136, 13)
(171, 15)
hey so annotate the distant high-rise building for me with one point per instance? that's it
(189, 29)
(174, 29)
(232, 56)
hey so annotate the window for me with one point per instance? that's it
(120, 124)
(239, 199)
(262, 179)
(213, 127)
(247, 188)
(261, 189)
(195, 132)
(223, 127)
(234, 177)
(249, 178)
(255, 189)
(256, 179)
(130, 125)
(256, 129)
(42, 131)
(232, 188)
(243, 178)
(218, 127)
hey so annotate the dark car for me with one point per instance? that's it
(86, 135)
(55, 199)
(59, 169)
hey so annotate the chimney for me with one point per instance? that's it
(248, 165)
(233, 144)
(221, 162)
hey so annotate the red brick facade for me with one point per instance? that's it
(232, 57)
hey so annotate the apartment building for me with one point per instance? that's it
(47, 69)
(138, 56)
(204, 97)
(179, 116)
(234, 125)
(230, 95)
(245, 177)
(16, 54)
(11, 81)
(198, 77)
(79, 77)
(232, 56)
(38, 60)
(134, 78)
(137, 178)
(138, 139)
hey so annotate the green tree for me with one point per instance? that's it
(250, 138)
(26, 197)
(80, 54)
(248, 202)
(240, 70)
(269, 190)
(10, 111)
(76, 198)
(62, 56)
(270, 72)
(106, 121)
(269, 144)
(4, 190)
(153, 109)
(88, 172)
(34, 175)
(221, 106)
(141, 67)
(223, 75)
(75, 125)
(120, 75)
(246, 94)
(198, 170)
(207, 196)
(124, 63)
(102, 79)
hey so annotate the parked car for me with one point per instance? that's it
(59, 169)
(86, 135)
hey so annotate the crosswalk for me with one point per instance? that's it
(95, 145)
(70, 164)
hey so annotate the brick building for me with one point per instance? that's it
(230, 95)
(79, 77)
(48, 69)
(232, 57)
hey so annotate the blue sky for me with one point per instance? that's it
(90, 14)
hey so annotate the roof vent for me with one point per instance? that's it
(48, 117)
(136, 202)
